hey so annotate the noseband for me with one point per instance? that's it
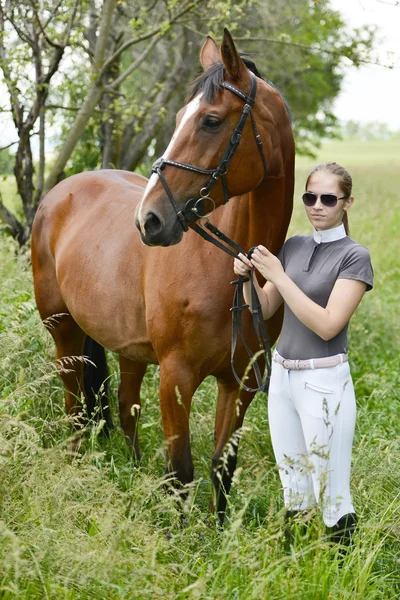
(190, 212)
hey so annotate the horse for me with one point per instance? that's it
(112, 261)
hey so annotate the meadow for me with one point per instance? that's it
(97, 526)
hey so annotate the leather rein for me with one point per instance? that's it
(192, 211)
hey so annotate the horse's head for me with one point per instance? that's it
(224, 139)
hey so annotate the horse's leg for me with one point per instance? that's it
(68, 336)
(96, 384)
(132, 374)
(69, 339)
(178, 383)
(231, 408)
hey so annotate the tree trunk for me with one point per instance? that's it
(111, 134)
(16, 229)
(92, 98)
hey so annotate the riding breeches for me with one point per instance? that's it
(312, 418)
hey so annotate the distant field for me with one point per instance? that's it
(97, 527)
(357, 152)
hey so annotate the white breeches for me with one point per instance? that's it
(312, 416)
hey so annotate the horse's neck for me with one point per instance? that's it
(258, 217)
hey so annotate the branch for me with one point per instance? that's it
(152, 123)
(22, 35)
(53, 13)
(117, 82)
(70, 24)
(92, 97)
(146, 36)
(15, 103)
(306, 47)
(293, 44)
(61, 107)
(102, 38)
(42, 85)
(42, 29)
(8, 146)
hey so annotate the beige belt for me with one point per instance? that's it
(312, 363)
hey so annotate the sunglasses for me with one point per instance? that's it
(330, 200)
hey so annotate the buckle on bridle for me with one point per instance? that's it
(159, 164)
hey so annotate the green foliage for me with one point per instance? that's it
(6, 162)
(96, 526)
(87, 154)
(306, 46)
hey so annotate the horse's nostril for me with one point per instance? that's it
(152, 224)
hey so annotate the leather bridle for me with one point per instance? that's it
(192, 211)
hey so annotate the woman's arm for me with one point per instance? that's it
(325, 322)
(268, 295)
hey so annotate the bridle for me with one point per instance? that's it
(192, 211)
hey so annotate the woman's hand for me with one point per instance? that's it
(243, 266)
(267, 264)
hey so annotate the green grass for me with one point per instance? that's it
(99, 527)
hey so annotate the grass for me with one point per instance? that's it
(97, 526)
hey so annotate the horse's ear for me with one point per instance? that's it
(234, 65)
(209, 54)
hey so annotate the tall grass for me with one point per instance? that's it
(97, 526)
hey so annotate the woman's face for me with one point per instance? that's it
(321, 216)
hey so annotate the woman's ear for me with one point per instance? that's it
(348, 203)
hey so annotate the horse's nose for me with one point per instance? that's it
(152, 224)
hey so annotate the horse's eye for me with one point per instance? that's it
(211, 123)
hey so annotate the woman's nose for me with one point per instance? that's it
(318, 203)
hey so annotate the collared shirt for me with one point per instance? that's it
(315, 263)
(329, 235)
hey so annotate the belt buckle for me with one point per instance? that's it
(285, 364)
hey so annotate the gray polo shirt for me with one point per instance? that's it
(314, 263)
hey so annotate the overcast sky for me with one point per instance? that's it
(372, 93)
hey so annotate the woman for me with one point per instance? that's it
(321, 279)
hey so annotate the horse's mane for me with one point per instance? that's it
(209, 82)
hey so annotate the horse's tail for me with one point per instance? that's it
(96, 383)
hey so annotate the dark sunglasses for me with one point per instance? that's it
(309, 199)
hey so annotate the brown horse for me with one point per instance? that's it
(169, 305)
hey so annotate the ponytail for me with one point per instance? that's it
(346, 222)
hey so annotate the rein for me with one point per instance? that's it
(192, 211)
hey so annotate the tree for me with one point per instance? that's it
(113, 75)
(22, 24)
(41, 33)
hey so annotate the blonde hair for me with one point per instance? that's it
(345, 183)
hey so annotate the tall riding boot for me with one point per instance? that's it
(343, 532)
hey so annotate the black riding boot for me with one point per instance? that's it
(343, 532)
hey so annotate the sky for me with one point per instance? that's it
(372, 93)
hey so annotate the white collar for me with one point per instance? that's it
(329, 235)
